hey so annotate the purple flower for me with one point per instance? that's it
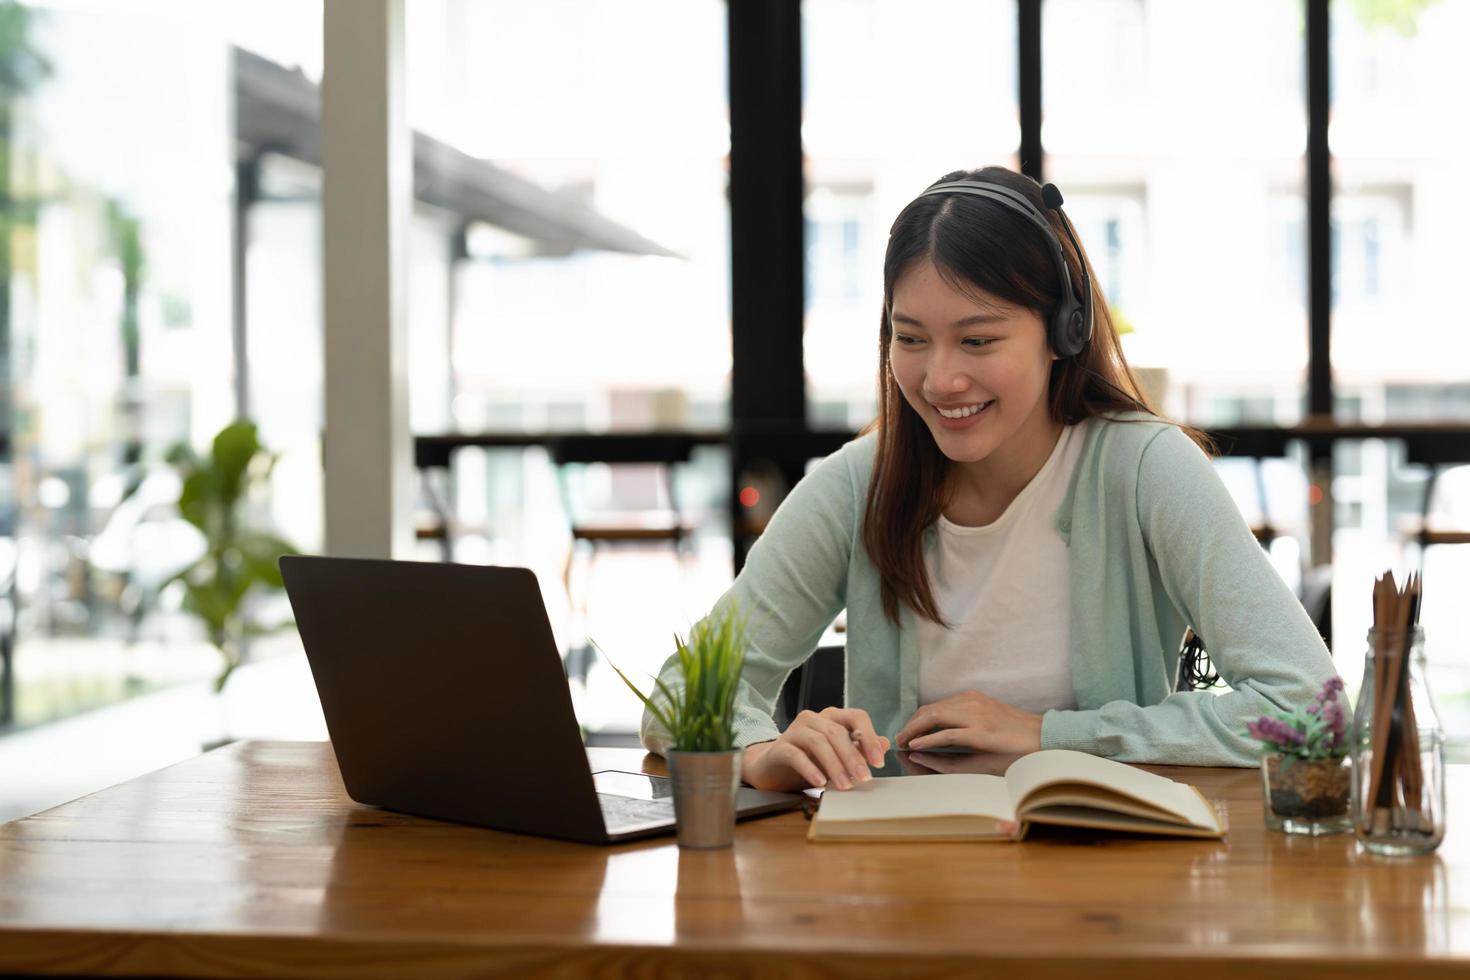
(1336, 720)
(1315, 730)
(1277, 731)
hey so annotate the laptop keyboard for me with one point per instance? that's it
(619, 812)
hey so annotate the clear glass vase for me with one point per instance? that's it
(1306, 796)
(1400, 810)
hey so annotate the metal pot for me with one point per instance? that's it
(705, 784)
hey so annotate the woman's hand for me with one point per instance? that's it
(974, 721)
(837, 746)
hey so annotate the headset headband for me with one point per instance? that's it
(1070, 326)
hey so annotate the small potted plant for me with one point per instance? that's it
(1304, 765)
(697, 710)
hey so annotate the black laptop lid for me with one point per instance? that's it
(443, 692)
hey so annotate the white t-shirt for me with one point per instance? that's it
(1005, 589)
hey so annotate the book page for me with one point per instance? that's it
(906, 797)
(1070, 816)
(1051, 766)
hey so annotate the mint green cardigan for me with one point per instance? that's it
(1155, 543)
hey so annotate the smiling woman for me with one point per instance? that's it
(979, 385)
(974, 259)
(1019, 541)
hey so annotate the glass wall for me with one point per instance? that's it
(1398, 72)
(590, 339)
(115, 327)
(591, 110)
(1177, 132)
(1400, 350)
(896, 94)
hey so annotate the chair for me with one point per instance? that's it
(1315, 595)
(815, 685)
(434, 517)
(1429, 530)
(643, 508)
(818, 683)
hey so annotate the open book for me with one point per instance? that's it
(1053, 786)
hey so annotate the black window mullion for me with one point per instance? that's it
(1319, 273)
(1028, 89)
(767, 241)
(766, 196)
(1319, 213)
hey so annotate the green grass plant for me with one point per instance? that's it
(700, 715)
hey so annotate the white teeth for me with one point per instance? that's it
(960, 413)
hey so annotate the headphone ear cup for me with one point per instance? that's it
(1066, 332)
(1056, 333)
(1076, 332)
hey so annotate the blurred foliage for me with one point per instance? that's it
(22, 65)
(1122, 326)
(239, 561)
(1401, 16)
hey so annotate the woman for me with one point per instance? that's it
(1018, 541)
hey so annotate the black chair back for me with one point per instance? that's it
(815, 685)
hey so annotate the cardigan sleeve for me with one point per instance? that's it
(1259, 637)
(792, 587)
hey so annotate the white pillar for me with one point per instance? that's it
(367, 185)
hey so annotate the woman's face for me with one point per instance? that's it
(974, 368)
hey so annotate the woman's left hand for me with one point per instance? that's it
(974, 721)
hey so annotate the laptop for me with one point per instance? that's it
(444, 696)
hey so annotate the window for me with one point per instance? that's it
(1399, 348)
(1171, 128)
(616, 281)
(118, 285)
(897, 93)
(587, 290)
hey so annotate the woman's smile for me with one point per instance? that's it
(961, 416)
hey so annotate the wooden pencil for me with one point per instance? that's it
(1410, 765)
(1391, 631)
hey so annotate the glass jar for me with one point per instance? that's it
(1402, 812)
(1306, 796)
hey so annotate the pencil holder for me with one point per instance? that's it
(1398, 799)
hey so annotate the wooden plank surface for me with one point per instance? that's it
(251, 861)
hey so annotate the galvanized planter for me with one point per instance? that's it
(705, 784)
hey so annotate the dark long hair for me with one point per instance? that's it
(975, 242)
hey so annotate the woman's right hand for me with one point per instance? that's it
(837, 746)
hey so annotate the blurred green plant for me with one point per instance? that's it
(1401, 16)
(1122, 326)
(701, 716)
(239, 562)
(23, 67)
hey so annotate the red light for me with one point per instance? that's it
(1314, 495)
(749, 496)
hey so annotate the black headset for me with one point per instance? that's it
(1070, 328)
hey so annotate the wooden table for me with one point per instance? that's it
(251, 861)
